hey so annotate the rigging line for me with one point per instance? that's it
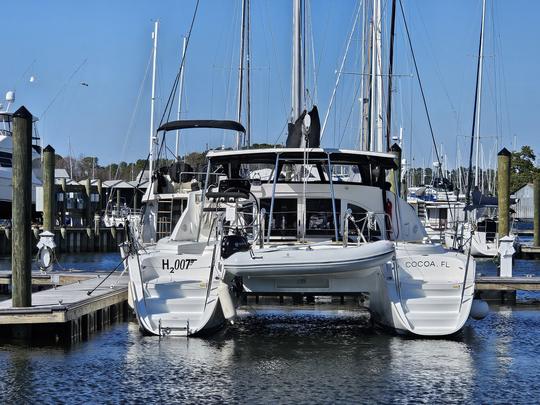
(131, 121)
(349, 116)
(469, 174)
(280, 79)
(230, 71)
(24, 74)
(437, 67)
(172, 96)
(42, 115)
(340, 72)
(282, 129)
(312, 40)
(424, 99)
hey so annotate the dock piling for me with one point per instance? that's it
(21, 249)
(503, 191)
(536, 240)
(48, 189)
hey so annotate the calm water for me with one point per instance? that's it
(288, 354)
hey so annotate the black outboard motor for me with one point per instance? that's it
(232, 244)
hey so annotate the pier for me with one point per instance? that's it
(67, 314)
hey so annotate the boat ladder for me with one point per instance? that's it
(166, 330)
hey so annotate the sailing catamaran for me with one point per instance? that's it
(303, 228)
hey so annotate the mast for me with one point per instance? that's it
(153, 139)
(376, 130)
(390, 72)
(479, 86)
(180, 94)
(248, 76)
(367, 80)
(241, 73)
(476, 104)
(297, 79)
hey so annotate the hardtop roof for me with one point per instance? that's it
(337, 156)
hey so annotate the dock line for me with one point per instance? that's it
(108, 275)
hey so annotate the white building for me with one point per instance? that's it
(525, 205)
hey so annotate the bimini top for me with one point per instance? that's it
(337, 156)
(187, 124)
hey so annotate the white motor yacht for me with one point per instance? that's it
(6, 171)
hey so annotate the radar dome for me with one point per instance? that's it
(10, 96)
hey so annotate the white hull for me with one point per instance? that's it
(309, 260)
(479, 245)
(171, 293)
(427, 293)
(423, 292)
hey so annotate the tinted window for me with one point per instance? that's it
(320, 216)
(284, 216)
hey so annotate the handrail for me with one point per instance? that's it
(276, 175)
(336, 224)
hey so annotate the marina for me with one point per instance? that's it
(321, 345)
(175, 228)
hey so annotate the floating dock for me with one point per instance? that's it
(67, 314)
(507, 283)
(529, 252)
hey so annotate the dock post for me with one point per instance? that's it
(99, 191)
(395, 175)
(49, 217)
(503, 191)
(114, 236)
(536, 209)
(89, 217)
(118, 201)
(64, 202)
(21, 249)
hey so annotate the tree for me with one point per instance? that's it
(522, 170)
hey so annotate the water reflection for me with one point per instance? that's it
(285, 355)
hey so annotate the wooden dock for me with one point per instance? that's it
(51, 279)
(67, 313)
(507, 283)
(529, 252)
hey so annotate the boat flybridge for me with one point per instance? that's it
(6, 170)
(280, 221)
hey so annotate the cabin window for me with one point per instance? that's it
(320, 216)
(284, 216)
(370, 229)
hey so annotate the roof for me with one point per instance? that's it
(186, 124)
(338, 156)
(116, 184)
(61, 174)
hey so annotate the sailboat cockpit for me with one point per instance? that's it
(307, 195)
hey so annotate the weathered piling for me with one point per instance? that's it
(503, 191)
(118, 199)
(64, 198)
(89, 237)
(537, 211)
(100, 190)
(21, 249)
(49, 202)
(88, 202)
(395, 176)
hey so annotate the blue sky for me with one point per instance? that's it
(107, 45)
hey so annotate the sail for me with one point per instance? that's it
(313, 135)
